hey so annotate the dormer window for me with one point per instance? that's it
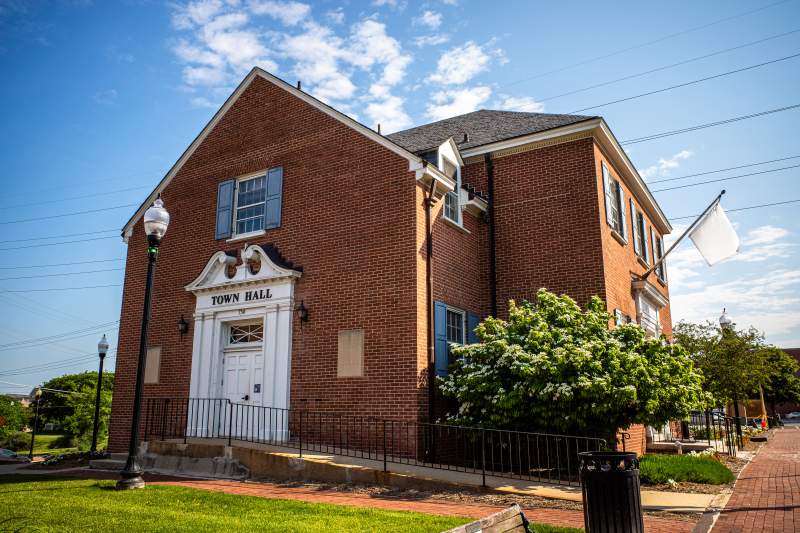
(450, 165)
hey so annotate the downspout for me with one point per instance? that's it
(487, 159)
(429, 201)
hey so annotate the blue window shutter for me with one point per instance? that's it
(224, 209)
(622, 209)
(472, 323)
(440, 337)
(646, 251)
(274, 197)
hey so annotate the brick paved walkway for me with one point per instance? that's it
(767, 494)
(558, 517)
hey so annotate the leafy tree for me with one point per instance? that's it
(54, 406)
(783, 385)
(733, 362)
(13, 415)
(553, 367)
(80, 424)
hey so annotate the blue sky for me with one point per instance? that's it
(99, 100)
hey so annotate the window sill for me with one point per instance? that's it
(642, 262)
(620, 239)
(455, 225)
(246, 236)
(661, 281)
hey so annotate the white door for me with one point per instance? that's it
(243, 371)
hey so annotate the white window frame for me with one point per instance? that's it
(463, 314)
(234, 345)
(455, 195)
(234, 230)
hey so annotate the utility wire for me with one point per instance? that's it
(67, 214)
(708, 125)
(743, 208)
(723, 179)
(62, 236)
(665, 67)
(59, 335)
(64, 274)
(63, 264)
(58, 243)
(720, 170)
(647, 43)
(65, 288)
(686, 84)
(46, 368)
(93, 195)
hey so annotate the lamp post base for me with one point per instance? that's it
(131, 476)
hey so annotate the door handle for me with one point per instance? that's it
(246, 397)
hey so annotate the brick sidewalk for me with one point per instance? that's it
(557, 517)
(767, 494)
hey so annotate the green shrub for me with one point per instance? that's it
(659, 468)
(16, 440)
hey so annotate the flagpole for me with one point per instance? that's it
(685, 233)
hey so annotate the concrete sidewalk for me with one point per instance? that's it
(283, 463)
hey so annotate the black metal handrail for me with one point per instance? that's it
(709, 427)
(542, 457)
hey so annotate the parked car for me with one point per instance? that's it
(10, 456)
(792, 415)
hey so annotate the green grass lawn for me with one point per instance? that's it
(44, 445)
(29, 503)
(659, 468)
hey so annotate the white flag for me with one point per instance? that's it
(715, 237)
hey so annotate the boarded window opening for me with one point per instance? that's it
(152, 364)
(350, 362)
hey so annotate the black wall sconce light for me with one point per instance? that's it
(183, 326)
(302, 312)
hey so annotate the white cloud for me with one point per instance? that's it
(336, 16)
(290, 13)
(457, 102)
(389, 113)
(664, 166)
(764, 235)
(460, 64)
(521, 103)
(106, 96)
(430, 19)
(196, 13)
(431, 40)
(203, 103)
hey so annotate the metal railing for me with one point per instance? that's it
(541, 457)
(711, 428)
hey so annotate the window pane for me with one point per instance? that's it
(246, 333)
(451, 206)
(250, 205)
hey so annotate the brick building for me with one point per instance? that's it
(282, 203)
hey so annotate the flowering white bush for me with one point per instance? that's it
(553, 367)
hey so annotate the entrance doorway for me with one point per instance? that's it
(243, 363)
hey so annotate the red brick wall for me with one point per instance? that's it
(348, 208)
(546, 216)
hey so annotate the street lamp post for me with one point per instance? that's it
(726, 326)
(156, 220)
(38, 394)
(102, 350)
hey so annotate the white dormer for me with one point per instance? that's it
(450, 163)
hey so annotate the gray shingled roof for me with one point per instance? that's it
(483, 127)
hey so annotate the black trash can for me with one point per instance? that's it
(612, 501)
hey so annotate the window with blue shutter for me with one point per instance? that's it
(608, 196)
(225, 192)
(274, 197)
(645, 247)
(623, 222)
(635, 230)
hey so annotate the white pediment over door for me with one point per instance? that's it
(255, 268)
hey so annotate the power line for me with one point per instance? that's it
(93, 195)
(76, 241)
(721, 170)
(64, 274)
(65, 288)
(686, 84)
(63, 264)
(708, 125)
(724, 179)
(743, 208)
(67, 214)
(665, 67)
(59, 335)
(648, 43)
(62, 236)
(46, 368)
